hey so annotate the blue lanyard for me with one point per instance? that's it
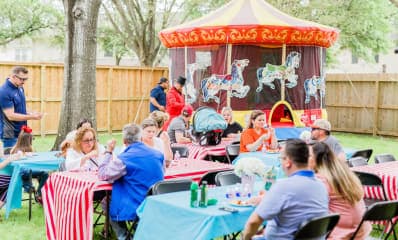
(304, 173)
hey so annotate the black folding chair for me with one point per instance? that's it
(318, 227)
(366, 153)
(210, 177)
(182, 150)
(380, 211)
(357, 161)
(232, 151)
(371, 180)
(382, 158)
(227, 178)
(31, 193)
(169, 186)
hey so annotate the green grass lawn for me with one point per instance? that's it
(18, 226)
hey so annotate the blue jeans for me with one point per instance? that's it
(120, 228)
(9, 142)
(41, 177)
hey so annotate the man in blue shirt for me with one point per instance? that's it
(132, 172)
(13, 114)
(158, 96)
(292, 200)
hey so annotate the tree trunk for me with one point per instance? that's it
(79, 91)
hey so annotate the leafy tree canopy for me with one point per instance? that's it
(365, 26)
(21, 18)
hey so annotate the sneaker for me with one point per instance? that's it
(38, 199)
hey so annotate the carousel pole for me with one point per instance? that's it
(229, 61)
(185, 71)
(283, 80)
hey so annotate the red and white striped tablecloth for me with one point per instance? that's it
(388, 172)
(200, 152)
(68, 204)
(68, 197)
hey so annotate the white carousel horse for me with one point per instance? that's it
(311, 86)
(266, 75)
(231, 82)
(190, 90)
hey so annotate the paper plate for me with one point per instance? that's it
(239, 203)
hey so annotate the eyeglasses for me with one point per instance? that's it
(20, 78)
(88, 140)
(313, 129)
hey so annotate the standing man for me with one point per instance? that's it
(320, 131)
(291, 200)
(175, 100)
(158, 96)
(13, 106)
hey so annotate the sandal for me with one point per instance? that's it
(38, 199)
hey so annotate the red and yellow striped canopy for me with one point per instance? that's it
(248, 22)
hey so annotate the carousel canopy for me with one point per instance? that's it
(248, 22)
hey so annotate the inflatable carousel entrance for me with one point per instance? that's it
(249, 55)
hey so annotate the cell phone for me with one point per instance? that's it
(229, 209)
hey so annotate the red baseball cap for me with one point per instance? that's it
(187, 111)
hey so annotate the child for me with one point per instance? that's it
(5, 177)
(24, 145)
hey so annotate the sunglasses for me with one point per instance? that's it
(20, 78)
(313, 129)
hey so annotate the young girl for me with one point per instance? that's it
(5, 177)
(24, 146)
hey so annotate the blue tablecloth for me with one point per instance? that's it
(44, 161)
(283, 133)
(169, 216)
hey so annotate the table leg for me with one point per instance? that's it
(107, 198)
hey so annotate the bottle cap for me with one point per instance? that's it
(212, 201)
(194, 186)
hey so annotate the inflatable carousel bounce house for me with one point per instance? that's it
(249, 55)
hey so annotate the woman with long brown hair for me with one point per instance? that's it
(253, 138)
(345, 192)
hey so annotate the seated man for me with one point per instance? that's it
(134, 171)
(320, 131)
(292, 200)
(179, 127)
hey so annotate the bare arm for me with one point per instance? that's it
(156, 104)
(252, 226)
(252, 147)
(13, 116)
(181, 139)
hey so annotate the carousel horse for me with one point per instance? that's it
(190, 92)
(266, 75)
(231, 82)
(311, 86)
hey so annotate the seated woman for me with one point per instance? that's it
(24, 147)
(67, 143)
(149, 130)
(84, 151)
(5, 177)
(253, 138)
(233, 129)
(345, 192)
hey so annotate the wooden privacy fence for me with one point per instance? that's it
(122, 94)
(363, 103)
(360, 103)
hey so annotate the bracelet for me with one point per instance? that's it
(109, 152)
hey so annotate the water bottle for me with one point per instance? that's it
(177, 156)
(203, 195)
(194, 195)
(264, 148)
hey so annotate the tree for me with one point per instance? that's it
(365, 26)
(138, 22)
(110, 41)
(21, 18)
(79, 92)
